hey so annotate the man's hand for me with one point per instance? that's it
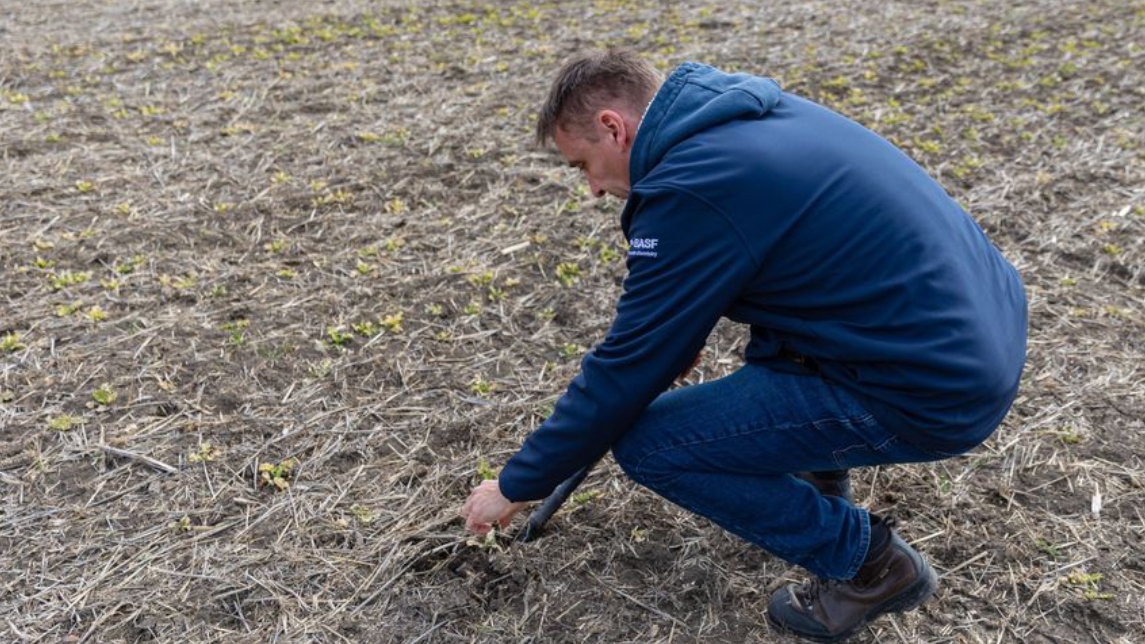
(486, 506)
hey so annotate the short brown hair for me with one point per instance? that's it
(588, 83)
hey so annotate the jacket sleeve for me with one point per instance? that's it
(686, 264)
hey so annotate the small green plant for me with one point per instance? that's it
(1088, 583)
(364, 515)
(277, 475)
(1047, 547)
(205, 454)
(338, 337)
(393, 322)
(11, 342)
(365, 329)
(104, 395)
(182, 525)
(480, 280)
(64, 279)
(96, 314)
(128, 267)
(481, 386)
(236, 329)
(63, 422)
(485, 471)
(568, 273)
(570, 350)
(66, 309)
(84, 186)
(583, 498)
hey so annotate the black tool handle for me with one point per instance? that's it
(551, 504)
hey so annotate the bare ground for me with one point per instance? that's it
(235, 236)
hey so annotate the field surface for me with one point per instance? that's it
(281, 284)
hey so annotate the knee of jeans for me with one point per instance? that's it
(645, 466)
(627, 455)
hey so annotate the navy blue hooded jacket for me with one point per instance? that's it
(823, 237)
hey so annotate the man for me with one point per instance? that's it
(885, 327)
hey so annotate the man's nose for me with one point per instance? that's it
(595, 188)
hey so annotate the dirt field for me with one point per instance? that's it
(277, 284)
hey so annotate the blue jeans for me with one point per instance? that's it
(727, 449)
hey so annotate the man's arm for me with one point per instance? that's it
(687, 264)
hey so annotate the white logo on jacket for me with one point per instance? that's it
(643, 247)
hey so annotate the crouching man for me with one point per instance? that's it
(885, 327)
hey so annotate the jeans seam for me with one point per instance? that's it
(815, 423)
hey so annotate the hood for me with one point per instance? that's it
(694, 98)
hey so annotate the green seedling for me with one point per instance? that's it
(393, 322)
(84, 187)
(583, 498)
(1050, 549)
(485, 471)
(128, 267)
(337, 337)
(63, 422)
(570, 350)
(182, 525)
(481, 386)
(96, 314)
(236, 330)
(364, 515)
(568, 273)
(365, 329)
(277, 475)
(105, 395)
(64, 279)
(206, 453)
(1088, 583)
(11, 342)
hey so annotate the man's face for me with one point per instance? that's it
(604, 161)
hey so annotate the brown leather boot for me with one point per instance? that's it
(823, 610)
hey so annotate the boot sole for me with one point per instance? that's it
(910, 598)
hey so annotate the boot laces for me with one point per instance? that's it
(808, 594)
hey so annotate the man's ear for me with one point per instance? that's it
(613, 126)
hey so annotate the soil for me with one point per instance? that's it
(316, 243)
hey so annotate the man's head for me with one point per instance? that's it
(592, 113)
